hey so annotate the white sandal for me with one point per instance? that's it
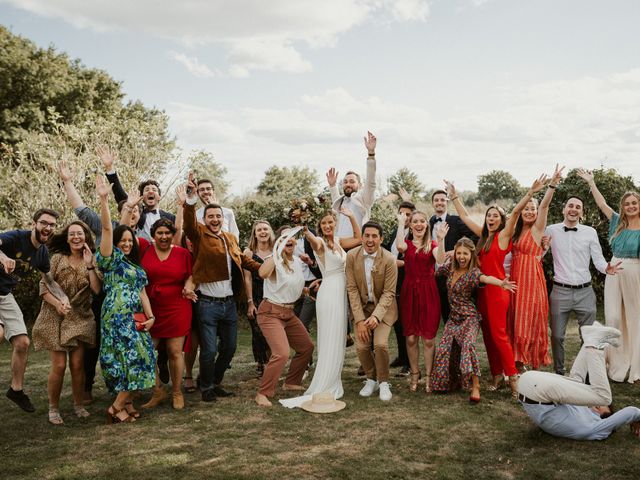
(80, 411)
(54, 417)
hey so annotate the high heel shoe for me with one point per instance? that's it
(415, 378)
(131, 410)
(427, 383)
(513, 383)
(112, 416)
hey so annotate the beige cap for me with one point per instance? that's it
(323, 403)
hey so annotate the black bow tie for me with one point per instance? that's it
(438, 219)
(154, 211)
(570, 229)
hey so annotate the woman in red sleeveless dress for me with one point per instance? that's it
(493, 302)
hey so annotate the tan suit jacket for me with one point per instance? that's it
(384, 276)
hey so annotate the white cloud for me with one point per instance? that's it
(259, 35)
(193, 65)
(576, 123)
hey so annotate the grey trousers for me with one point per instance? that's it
(563, 301)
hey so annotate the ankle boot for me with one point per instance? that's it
(159, 396)
(178, 400)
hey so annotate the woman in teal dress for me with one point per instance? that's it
(127, 356)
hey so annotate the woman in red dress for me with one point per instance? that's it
(419, 297)
(168, 269)
(493, 301)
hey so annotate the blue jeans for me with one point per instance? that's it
(216, 319)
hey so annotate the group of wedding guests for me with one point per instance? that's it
(154, 288)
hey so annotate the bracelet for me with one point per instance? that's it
(91, 268)
(151, 318)
(454, 198)
(372, 154)
(551, 186)
(250, 301)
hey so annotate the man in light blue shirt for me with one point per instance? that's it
(566, 406)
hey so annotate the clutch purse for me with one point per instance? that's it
(139, 319)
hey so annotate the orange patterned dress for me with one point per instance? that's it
(529, 308)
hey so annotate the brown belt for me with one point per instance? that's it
(283, 305)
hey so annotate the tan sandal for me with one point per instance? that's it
(427, 386)
(513, 383)
(54, 417)
(496, 384)
(415, 378)
(112, 416)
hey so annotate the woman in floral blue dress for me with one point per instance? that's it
(463, 277)
(127, 356)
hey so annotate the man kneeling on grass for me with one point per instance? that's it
(566, 406)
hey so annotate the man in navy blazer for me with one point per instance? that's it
(457, 230)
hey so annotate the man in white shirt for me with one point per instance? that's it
(356, 197)
(566, 406)
(207, 195)
(573, 247)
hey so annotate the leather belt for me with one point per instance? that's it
(283, 305)
(573, 287)
(202, 296)
(524, 399)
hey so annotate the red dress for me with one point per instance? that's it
(419, 297)
(166, 280)
(493, 304)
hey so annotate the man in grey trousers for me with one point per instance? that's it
(573, 247)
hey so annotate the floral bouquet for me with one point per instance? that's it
(302, 210)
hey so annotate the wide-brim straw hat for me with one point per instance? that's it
(323, 403)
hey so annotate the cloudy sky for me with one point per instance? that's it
(452, 88)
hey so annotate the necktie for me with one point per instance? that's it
(570, 229)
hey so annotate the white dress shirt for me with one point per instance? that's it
(150, 219)
(228, 221)
(572, 253)
(223, 288)
(437, 225)
(344, 223)
(369, 258)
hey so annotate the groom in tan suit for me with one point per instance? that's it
(371, 285)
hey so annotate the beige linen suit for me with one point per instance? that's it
(384, 276)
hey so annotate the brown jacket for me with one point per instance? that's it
(209, 258)
(384, 276)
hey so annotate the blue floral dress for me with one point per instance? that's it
(127, 356)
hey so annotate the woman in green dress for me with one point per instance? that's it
(127, 356)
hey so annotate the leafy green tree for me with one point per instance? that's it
(203, 165)
(405, 178)
(498, 184)
(36, 82)
(288, 182)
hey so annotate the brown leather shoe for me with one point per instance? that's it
(159, 396)
(178, 401)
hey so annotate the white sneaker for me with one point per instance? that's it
(370, 386)
(385, 392)
(599, 336)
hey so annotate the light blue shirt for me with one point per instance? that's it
(579, 423)
(627, 243)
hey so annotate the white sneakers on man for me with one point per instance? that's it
(599, 336)
(385, 392)
(370, 386)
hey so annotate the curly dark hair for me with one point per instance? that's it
(163, 222)
(58, 242)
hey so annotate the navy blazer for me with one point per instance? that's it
(457, 230)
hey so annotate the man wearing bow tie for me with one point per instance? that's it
(573, 247)
(457, 230)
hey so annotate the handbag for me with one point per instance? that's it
(139, 319)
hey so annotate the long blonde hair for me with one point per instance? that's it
(425, 245)
(253, 241)
(623, 224)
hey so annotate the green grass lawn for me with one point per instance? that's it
(414, 436)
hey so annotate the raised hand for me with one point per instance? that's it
(370, 141)
(332, 177)
(539, 183)
(404, 195)
(557, 176)
(192, 188)
(181, 194)
(346, 212)
(65, 172)
(443, 229)
(87, 255)
(103, 188)
(133, 198)
(450, 188)
(402, 218)
(586, 175)
(107, 157)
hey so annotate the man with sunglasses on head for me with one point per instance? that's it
(22, 251)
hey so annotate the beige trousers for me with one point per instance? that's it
(622, 311)
(376, 363)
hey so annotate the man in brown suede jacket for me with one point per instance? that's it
(217, 270)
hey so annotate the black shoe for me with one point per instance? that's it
(349, 341)
(209, 396)
(361, 371)
(163, 372)
(221, 392)
(403, 372)
(21, 399)
(396, 363)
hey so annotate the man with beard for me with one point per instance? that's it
(356, 197)
(22, 251)
(457, 230)
(149, 192)
(207, 195)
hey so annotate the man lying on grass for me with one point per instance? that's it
(566, 406)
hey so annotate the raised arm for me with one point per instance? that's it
(179, 224)
(108, 159)
(127, 208)
(332, 181)
(95, 282)
(267, 268)
(461, 210)
(507, 232)
(106, 241)
(440, 253)
(188, 197)
(587, 176)
(351, 242)
(505, 284)
(401, 243)
(316, 243)
(543, 210)
(369, 191)
(66, 176)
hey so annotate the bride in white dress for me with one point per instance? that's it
(331, 307)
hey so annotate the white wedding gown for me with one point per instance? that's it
(331, 314)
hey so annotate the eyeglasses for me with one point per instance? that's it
(46, 224)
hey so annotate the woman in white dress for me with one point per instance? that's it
(331, 306)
